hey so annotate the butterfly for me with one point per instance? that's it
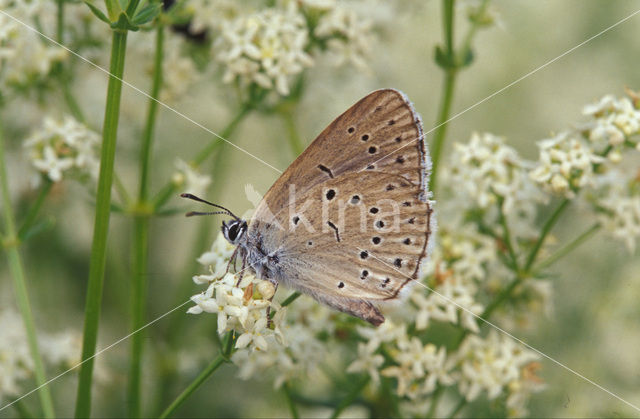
(350, 221)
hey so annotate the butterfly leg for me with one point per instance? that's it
(241, 272)
(232, 261)
(275, 288)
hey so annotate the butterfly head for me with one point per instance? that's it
(234, 231)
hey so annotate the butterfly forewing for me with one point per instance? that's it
(380, 132)
(350, 220)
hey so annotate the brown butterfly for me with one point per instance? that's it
(350, 220)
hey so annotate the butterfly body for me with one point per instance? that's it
(350, 221)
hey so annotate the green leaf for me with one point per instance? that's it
(99, 14)
(123, 23)
(39, 227)
(443, 59)
(147, 14)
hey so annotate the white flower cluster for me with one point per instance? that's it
(24, 57)
(189, 179)
(301, 353)
(64, 147)
(620, 214)
(348, 36)
(566, 164)
(179, 72)
(616, 121)
(498, 365)
(61, 350)
(417, 367)
(241, 307)
(486, 169)
(266, 48)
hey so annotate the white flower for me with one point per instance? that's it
(486, 169)
(24, 57)
(621, 212)
(64, 147)
(210, 14)
(491, 364)
(565, 165)
(367, 361)
(189, 179)
(266, 48)
(347, 35)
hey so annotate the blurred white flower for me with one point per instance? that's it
(565, 165)
(210, 14)
(614, 122)
(367, 361)
(64, 147)
(24, 57)
(179, 71)
(621, 214)
(266, 48)
(60, 350)
(189, 179)
(347, 35)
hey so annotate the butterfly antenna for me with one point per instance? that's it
(204, 201)
(192, 213)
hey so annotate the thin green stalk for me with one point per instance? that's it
(461, 404)
(16, 269)
(147, 138)
(168, 190)
(140, 241)
(35, 208)
(446, 97)
(22, 410)
(213, 145)
(290, 299)
(435, 399)
(295, 143)
(507, 237)
(546, 228)
(195, 384)
(101, 224)
(60, 22)
(290, 402)
(569, 247)
(348, 400)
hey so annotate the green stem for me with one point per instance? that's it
(435, 400)
(140, 241)
(446, 97)
(507, 236)
(466, 45)
(16, 268)
(213, 145)
(461, 404)
(290, 299)
(348, 400)
(35, 208)
(568, 248)
(60, 22)
(168, 190)
(195, 384)
(546, 228)
(295, 143)
(147, 138)
(101, 224)
(22, 410)
(290, 402)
